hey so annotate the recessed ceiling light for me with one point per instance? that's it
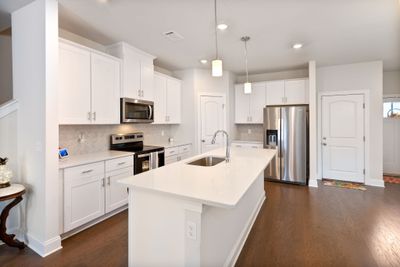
(203, 61)
(222, 26)
(297, 46)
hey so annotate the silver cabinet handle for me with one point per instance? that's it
(121, 163)
(109, 180)
(324, 144)
(87, 171)
(203, 141)
(89, 115)
(103, 183)
(142, 93)
(94, 115)
(138, 92)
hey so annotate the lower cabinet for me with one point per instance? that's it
(177, 153)
(91, 190)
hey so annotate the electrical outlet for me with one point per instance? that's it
(81, 138)
(162, 133)
(249, 131)
(191, 230)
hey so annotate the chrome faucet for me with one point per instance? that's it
(228, 152)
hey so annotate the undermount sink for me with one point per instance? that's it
(207, 161)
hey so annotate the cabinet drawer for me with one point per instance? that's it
(184, 149)
(83, 171)
(119, 163)
(172, 159)
(171, 151)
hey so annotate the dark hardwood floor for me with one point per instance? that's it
(297, 226)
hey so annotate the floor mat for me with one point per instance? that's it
(343, 184)
(391, 179)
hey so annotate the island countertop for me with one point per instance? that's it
(222, 185)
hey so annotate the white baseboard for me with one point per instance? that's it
(375, 182)
(313, 183)
(44, 248)
(234, 255)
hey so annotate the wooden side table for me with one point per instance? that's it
(14, 191)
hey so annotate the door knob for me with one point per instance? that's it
(203, 141)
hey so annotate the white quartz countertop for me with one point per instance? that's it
(171, 144)
(222, 185)
(76, 160)
(247, 142)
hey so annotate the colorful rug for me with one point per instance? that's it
(343, 184)
(391, 179)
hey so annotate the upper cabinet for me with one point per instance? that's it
(138, 71)
(287, 92)
(167, 99)
(249, 107)
(89, 85)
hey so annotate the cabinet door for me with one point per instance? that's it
(105, 89)
(116, 193)
(146, 80)
(257, 103)
(275, 92)
(131, 75)
(242, 105)
(74, 85)
(83, 194)
(173, 101)
(296, 92)
(160, 99)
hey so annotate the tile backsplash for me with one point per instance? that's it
(83, 139)
(249, 132)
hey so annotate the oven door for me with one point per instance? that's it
(142, 163)
(135, 110)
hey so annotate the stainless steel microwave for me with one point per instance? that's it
(136, 111)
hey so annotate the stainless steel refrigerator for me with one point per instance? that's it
(286, 129)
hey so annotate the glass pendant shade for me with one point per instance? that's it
(216, 68)
(247, 88)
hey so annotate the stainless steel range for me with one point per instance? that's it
(145, 157)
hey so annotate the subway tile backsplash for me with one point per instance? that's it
(255, 133)
(83, 139)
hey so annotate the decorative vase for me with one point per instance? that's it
(5, 173)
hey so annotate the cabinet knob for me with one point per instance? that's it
(203, 141)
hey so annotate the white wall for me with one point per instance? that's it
(279, 75)
(35, 72)
(361, 76)
(194, 82)
(391, 82)
(5, 69)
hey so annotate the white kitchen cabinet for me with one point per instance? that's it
(92, 190)
(167, 99)
(105, 89)
(249, 107)
(137, 71)
(116, 194)
(74, 85)
(89, 86)
(177, 153)
(83, 194)
(287, 92)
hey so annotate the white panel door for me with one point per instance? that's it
(257, 103)
(173, 101)
(242, 105)
(343, 137)
(391, 146)
(105, 89)
(116, 193)
(160, 99)
(212, 119)
(74, 85)
(146, 80)
(275, 93)
(296, 92)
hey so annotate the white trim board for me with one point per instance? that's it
(44, 248)
(8, 107)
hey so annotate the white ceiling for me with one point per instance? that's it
(333, 31)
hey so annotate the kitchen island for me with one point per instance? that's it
(188, 215)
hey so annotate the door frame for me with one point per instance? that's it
(200, 94)
(365, 93)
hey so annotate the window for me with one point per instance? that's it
(391, 108)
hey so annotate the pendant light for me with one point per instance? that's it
(247, 84)
(216, 64)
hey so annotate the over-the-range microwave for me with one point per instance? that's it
(136, 111)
